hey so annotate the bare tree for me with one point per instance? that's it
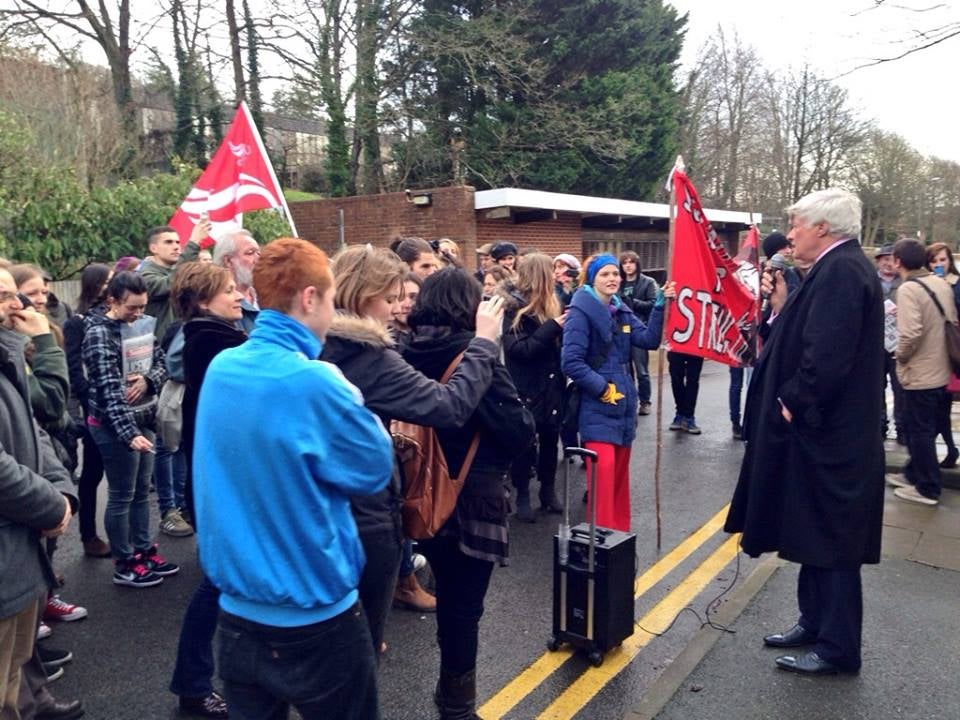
(938, 25)
(109, 28)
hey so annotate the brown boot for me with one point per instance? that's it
(95, 547)
(410, 596)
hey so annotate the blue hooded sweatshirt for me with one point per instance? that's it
(282, 441)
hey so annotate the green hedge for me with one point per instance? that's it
(47, 217)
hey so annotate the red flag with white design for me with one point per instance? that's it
(238, 179)
(715, 308)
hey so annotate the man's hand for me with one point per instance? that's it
(141, 444)
(785, 412)
(490, 318)
(29, 322)
(136, 388)
(774, 288)
(62, 527)
(201, 230)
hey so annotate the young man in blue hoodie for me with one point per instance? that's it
(282, 442)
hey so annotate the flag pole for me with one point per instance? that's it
(273, 176)
(661, 350)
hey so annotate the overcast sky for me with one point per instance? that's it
(917, 96)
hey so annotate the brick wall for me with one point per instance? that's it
(563, 235)
(380, 219)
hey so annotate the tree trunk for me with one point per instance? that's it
(239, 85)
(368, 95)
(256, 101)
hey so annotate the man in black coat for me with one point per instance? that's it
(811, 484)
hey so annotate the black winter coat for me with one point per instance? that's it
(73, 332)
(392, 389)
(531, 352)
(812, 489)
(639, 294)
(203, 339)
(506, 427)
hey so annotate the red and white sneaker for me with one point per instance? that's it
(59, 609)
(44, 631)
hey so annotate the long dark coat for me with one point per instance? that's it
(531, 352)
(812, 489)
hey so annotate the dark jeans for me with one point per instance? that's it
(406, 559)
(898, 412)
(383, 549)
(922, 410)
(326, 670)
(193, 672)
(542, 455)
(461, 585)
(944, 426)
(685, 381)
(90, 478)
(170, 478)
(127, 517)
(831, 607)
(641, 362)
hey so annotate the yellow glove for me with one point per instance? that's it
(611, 395)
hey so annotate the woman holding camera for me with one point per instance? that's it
(475, 537)
(369, 284)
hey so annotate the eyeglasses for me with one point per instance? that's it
(7, 296)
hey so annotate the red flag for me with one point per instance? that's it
(715, 306)
(238, 179)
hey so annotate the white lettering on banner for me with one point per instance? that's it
(682, 336)
(715, 321)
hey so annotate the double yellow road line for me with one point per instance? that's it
(578, 694)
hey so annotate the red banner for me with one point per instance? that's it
(716, 304)
(238, 179)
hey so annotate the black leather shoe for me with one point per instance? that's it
(809, 664)
(209, 706)
(61, 711)
(950, 461)
(794, 637)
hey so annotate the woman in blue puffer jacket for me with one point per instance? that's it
(597, 339)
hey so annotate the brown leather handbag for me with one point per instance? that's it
(429, 493)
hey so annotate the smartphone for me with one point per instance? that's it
(25, 301)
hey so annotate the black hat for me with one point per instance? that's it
(774, 243)
(502, 249)
(884, 250)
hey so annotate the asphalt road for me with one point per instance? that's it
(124, 651)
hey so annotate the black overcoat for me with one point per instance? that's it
(812, 489)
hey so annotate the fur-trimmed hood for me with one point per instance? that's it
(513, 299)
(363, 330)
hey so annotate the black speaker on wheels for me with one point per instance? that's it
(593, 575)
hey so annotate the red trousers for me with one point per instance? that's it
(613, 485)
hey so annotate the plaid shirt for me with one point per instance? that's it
(103, 359)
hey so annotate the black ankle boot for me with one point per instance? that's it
(950, 461)
(524, 511)
(548, 499)
(456, 695)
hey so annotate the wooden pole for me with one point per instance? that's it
(661, 351)
(756, 326)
